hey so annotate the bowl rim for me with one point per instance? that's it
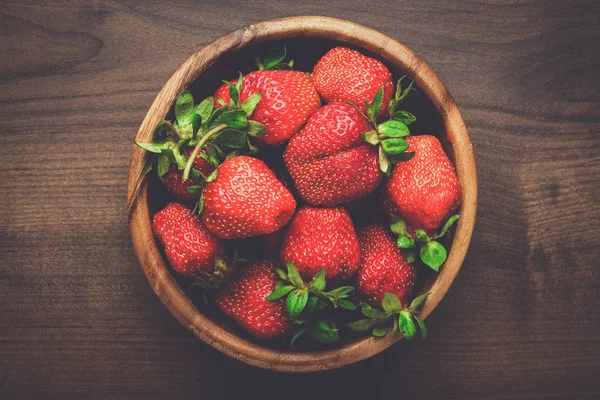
(151, 260)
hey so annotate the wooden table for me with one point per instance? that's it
(78, 319)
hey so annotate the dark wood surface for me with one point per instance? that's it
(78, 319)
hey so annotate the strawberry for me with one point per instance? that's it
(189, 247)
(383, 268)
(246, 302)
(425, 189)
(343, 74)
(322, 238)
(329, 161)
(246, 199)
(288, 99)
(174, 183)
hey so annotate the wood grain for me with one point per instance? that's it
(78, 317)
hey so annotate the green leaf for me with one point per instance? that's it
(371, 137)
(421, 236)
(342, 291)
(201, 204)
(422, 326)
(274, 57)
(347, 304)
(398, 226)
(405, 117)
(417, 304)
(318, 282)
(410, 256)
(281, 274)
(195, 174)
(253, 149)
(393, 128)
(297, 334)
(250, 103)
(161, 132)
(221, 102)
(374, 107)
(205, 108)
(370, 312)
(183, 144)
(294, 276)
(256, 128)
(233, 119)
(391, 302)
(154, 147)
(404, 242)
(238, 86)
(196, 121)
(322, 332)
(280, 292)
(181, 159)
(394, 146)
(380, 331)
(194, 189)
(148, 166)
(296, 301)
(311, 303)
(212, 176)
(406, 325)
(184, 106)
(163, 165)
(402, 157)
(447, 225)
(232, 138)
(234, 94)
(384, 162)
(399, 87)
(406, 92)
(362, 325)
(433, 255)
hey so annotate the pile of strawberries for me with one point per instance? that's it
(301, 202)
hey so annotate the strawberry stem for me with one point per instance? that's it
(173, 129)
(202, 142)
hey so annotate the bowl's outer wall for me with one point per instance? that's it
(151, 260)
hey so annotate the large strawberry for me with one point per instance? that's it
(173, 180)
(329, 161)
(189, 247)
(246, 302)
(322, 238)
(425, 189)
(246, 199)
(383, 268)
(343, 74)
(288, 99)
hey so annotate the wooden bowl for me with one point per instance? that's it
(310, 37)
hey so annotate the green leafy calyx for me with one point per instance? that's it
(430, 249)
(304, 301)
(392, 317)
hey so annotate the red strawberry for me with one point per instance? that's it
(384, 268)
(246, 199)
(288, 99)
(189, 247)
(425, 189)
(322, 238)
(246, 302)
(173, 179)
(344, 74)
(329, 161)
